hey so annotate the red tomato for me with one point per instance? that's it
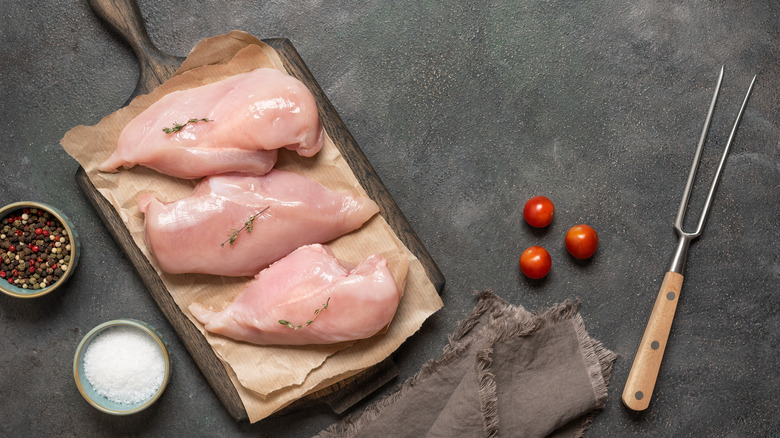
(582, 241)
(535, 262)
(538, 211)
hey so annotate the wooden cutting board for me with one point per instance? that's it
(156, 67)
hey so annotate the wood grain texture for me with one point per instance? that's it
(124, 17)
(647, 362)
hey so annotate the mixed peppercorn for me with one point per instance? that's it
(34, 249)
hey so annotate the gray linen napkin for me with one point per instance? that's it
(506, 372)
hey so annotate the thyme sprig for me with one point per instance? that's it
(178, 126)
(317, 312)
(248, 226)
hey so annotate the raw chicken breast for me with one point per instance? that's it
(249, 116)
(308, 285)
(236, 225)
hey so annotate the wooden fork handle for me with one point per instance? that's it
(644, 371)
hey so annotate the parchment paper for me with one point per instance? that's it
(266, 378)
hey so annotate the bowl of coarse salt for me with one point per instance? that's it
(122, 367)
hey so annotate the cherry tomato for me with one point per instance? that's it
(535, 262)
(538, 211)
(582, 241)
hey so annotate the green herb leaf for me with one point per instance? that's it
(249, 225)
(178, 126)
(317, 312)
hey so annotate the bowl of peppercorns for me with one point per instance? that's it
(39, 249)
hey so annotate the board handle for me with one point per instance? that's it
(644, 371)
(124, 17)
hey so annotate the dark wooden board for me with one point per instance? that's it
(123, 16)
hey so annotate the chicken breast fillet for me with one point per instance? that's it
(236, 225)
(308, 297)
(233, 125)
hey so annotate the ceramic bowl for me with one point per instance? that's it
(75, 249)
(103, 403)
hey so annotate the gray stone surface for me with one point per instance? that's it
(466, 110)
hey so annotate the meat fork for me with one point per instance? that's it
(644, 371)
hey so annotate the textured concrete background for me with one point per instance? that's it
(466, 110)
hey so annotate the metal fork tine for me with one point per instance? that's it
(707, 203)
(678, 223)
(682, 211)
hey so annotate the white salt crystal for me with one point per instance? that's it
(124, 365)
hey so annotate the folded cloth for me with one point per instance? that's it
(506, 372)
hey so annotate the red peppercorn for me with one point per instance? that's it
(54, 266)
(38, 232)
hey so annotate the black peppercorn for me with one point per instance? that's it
(33, 243)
